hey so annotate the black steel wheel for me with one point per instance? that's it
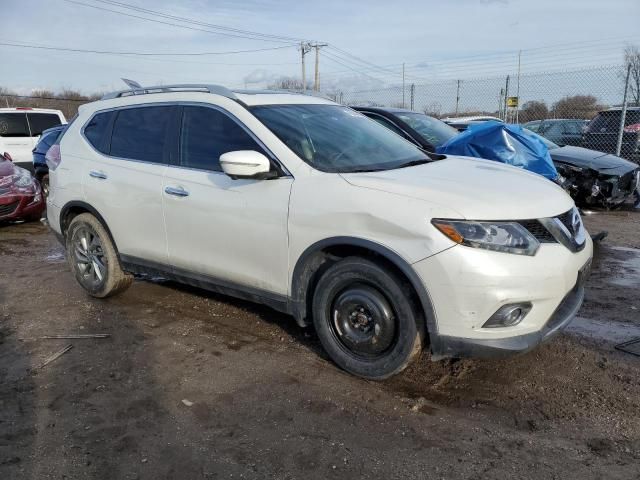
(366, 319)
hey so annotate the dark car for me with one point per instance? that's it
(559, 131)
(590, 177)
(595, 178)
(40, 167)
(602, 132)
(20, 194)
(425, 131)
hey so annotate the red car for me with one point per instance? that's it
(20, 194)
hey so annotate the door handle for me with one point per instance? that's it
(176, 191)
(98, 174)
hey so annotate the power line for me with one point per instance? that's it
(197, 22)
(150, 54)
(210, 29)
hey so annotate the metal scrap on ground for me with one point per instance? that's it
(77, 336)
(56, 355)
(632, 347)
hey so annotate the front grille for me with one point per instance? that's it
(538, 231)
(8, 208)
(565, 218)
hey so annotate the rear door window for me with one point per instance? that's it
(39, 122)
(206, 134)
(14, 125)
(141, 133)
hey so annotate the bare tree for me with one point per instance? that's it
(533, 110)
(434, 109)
(632, 57)
(576, 106)
(288, 83)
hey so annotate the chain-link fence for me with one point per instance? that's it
(557, 105)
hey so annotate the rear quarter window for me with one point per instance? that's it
(95, 131)
(14, 125)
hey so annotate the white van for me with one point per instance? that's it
(20, 129)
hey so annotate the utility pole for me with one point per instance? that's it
(506, 99)
(518, 89)
(403, 104)
(413, 95)
(316, 81)
(304, 49)
(623, 116)
(457, 97)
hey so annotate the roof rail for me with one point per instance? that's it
(181, 87)
(310, 93)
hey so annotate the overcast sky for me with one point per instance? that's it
(436, 39)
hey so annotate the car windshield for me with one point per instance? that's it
(550, 145)
(333, 138)
(434, 131)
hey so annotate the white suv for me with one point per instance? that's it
(20, 129)
(315, 210)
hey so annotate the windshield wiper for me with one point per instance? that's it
(413, 163)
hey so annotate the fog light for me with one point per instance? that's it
(508, 315)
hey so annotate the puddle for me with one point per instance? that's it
(55, 257)
(607, 330)
(624, 265)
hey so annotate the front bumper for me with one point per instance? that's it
(468, 285)
(502, 347)
(19, 206)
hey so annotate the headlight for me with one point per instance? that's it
(510, 237)
(22, 178)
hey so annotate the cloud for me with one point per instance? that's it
(490, 2)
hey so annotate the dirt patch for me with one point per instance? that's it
(263, 401)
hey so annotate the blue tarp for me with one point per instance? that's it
(504, 143)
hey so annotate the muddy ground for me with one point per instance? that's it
(192, 385)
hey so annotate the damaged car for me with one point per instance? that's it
(595, 178)
(20, 194)
(591, 178)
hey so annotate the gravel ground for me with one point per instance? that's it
(193, 385)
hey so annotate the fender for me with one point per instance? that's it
(302, 275)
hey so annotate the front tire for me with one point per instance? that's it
(365, 319)
(93, 258)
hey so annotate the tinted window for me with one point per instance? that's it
(95, 130)
(606, 122)
(140, 133)
(39, 122)
(434, 131)
(13, 125)
(207, 134)
(384, 122)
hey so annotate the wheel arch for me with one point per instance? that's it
(310, 265)
(73, 209)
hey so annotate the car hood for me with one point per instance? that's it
(476, 189)
(6, 168)
(584, 158)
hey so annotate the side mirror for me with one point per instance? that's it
(245, 164)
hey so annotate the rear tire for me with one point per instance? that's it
(365, 319)
(93, 258)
